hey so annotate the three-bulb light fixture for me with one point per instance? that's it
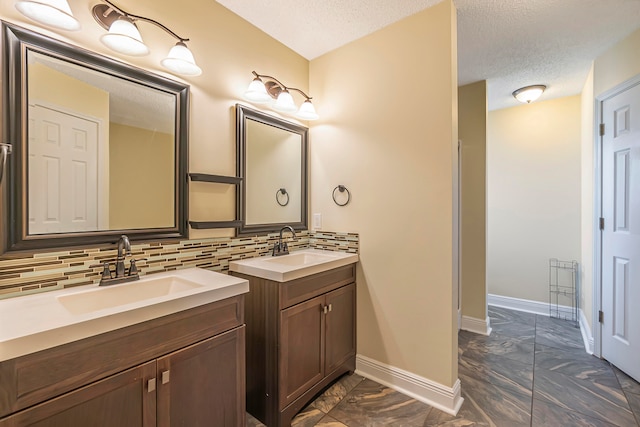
(261, 92)
(123, 35)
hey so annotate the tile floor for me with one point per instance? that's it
(531, 371)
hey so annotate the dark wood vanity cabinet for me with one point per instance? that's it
(185, 369)
(301, 335)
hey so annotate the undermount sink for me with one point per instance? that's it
(117, 295)
(294, 265)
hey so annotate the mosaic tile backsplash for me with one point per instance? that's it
(56, 270)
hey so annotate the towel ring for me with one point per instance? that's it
(282, 191)
(342, 189)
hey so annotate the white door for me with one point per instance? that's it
(621, 235)
(63, 173)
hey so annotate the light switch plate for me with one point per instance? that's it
(317, 221)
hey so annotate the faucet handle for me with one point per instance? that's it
(106, 269)
(133, 268)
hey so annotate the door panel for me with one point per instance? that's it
(301, 348)
(203, 385)
(621, 236)
(63, 164)
(341, 326)
(92, 406)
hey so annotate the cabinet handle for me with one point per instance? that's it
(325, 309)
(151, 385)
(165, 377)
(330, 307)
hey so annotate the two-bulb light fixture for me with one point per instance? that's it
(123, 35)
(528, 94)
(260, 92)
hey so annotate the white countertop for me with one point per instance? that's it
(297, 264)
(36, 322)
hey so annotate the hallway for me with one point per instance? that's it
(531, 371)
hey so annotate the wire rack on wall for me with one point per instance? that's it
(564, 289)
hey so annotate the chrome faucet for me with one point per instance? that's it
(121, 276)
(280, 247)
(124, 248)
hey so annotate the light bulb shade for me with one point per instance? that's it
(124, 37)
(307, 111)
(528, 94)
(180, 60)
(285, 102)
(257, 92)
(54, 13)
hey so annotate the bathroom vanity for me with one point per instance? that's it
(301, 329)
(171, 359)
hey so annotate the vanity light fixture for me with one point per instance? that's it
(528, 94)
(260, 92)
(124, 37)
(54, 13)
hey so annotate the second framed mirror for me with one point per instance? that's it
(272, 162)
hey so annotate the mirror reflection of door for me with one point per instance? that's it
(63, 172)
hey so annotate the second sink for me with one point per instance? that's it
(294, 265)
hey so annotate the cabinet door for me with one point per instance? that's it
(93, 406)
(340, 326)
(301, 348)
(204, 384)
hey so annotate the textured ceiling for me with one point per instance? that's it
(509, 43)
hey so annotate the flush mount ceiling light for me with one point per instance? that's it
(528, 94)
(124, 37)
(54, 13)
(260, 92)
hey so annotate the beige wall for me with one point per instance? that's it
(53, 87)
(140, 189)
(587, 167)
(617, 64)
(387, 131)
(227, 48)
(472, 132)
(533, 172)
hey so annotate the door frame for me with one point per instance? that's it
(597, 207)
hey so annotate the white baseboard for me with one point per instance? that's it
(518, 304)
(477, 326)
(587, 337)
(542, 308)
(430, 392)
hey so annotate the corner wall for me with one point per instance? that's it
(472, 132)
(389, 134)
(533, 172)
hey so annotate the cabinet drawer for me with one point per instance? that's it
(36, 377)
(296, 291)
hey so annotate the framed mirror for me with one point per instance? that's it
(99, 147)
(272, 162)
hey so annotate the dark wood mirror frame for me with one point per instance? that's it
(242, 114)
(13, 202)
